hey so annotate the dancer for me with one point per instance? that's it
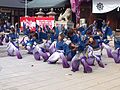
(59, 48)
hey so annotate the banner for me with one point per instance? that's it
(28, 22)
(73, 5)
(32, 21)
(104, 6)
(43, 21)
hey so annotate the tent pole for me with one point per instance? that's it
(25, 7)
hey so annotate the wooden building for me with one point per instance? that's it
(11, 14)
(12, 10)
(113, 16)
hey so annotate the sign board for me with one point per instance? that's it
(82, 21)
(65, 24)
(43, 21)
(28, 22)
(32, 21)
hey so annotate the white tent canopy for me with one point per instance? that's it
(104, 6)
